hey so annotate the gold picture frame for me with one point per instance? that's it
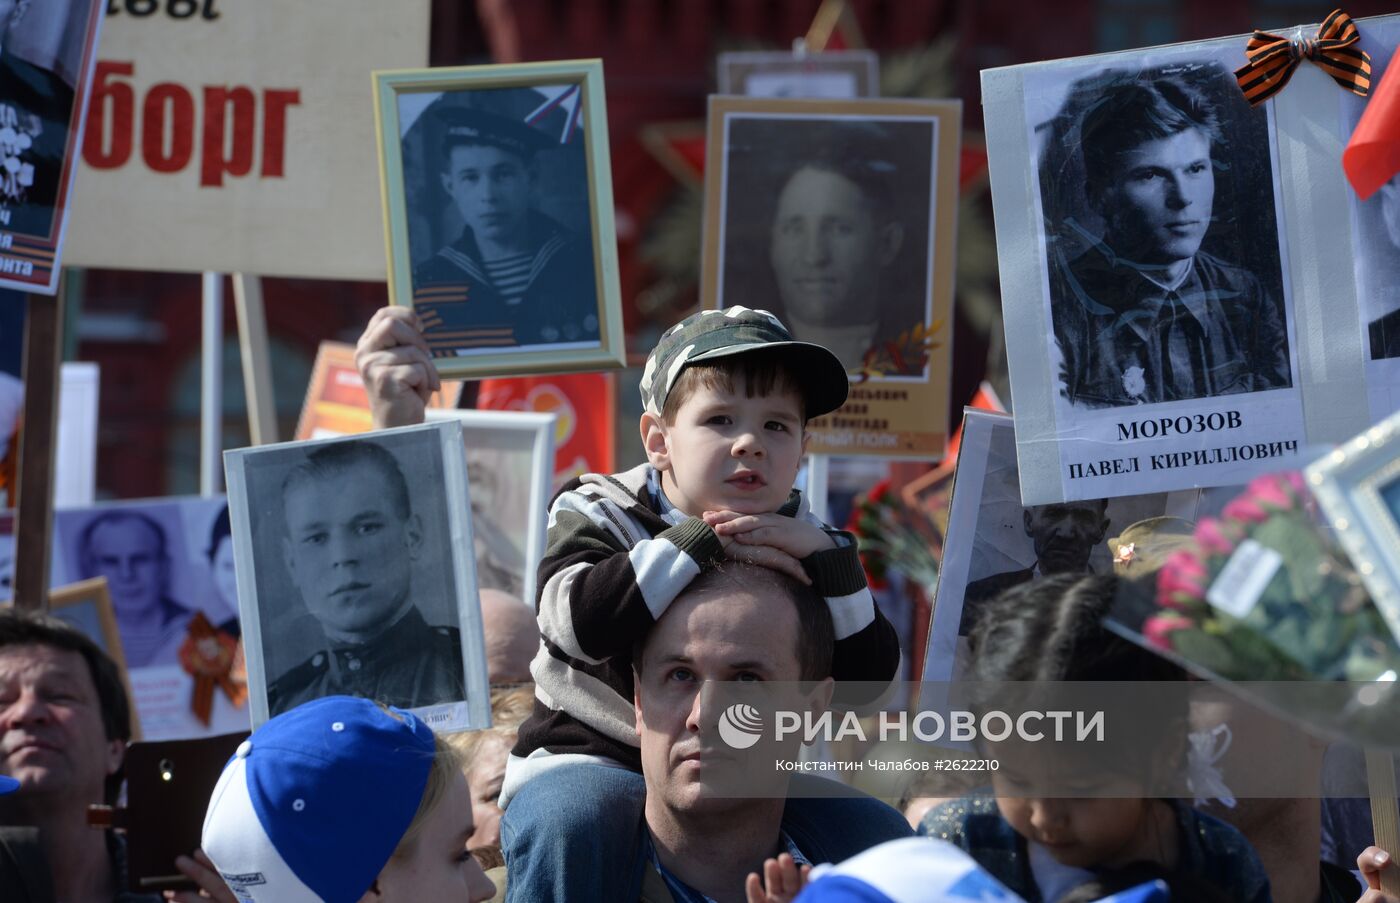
(513, 300)
(900, 156)
(87, 605)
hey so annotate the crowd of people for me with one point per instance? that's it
(666, 594)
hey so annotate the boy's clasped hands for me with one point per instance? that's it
(770, 540)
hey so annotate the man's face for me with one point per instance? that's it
(728, 452)
(348, 550)
(1158, 201)
(491, 188)
(128, 553)
(706, 636)
(51, 735)
(1065, 534)
(827, 249)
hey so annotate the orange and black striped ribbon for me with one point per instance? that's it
(1272, 59)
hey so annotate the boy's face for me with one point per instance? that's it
(728, 452)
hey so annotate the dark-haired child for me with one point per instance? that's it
(1042, 846)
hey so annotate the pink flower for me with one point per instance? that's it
(1246, 510)
(1181, 583)
(1157, 629)
(1184, 564)
(1212, 538)
(1270, 490)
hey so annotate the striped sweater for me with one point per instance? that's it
(615, 558)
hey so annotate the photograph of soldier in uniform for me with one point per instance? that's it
(496, 189)
(1165, 279)
(827, 223)
(355, 588)
(995, 543)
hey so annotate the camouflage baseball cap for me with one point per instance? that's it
(712, 334)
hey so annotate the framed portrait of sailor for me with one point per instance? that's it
(838, 216)
(358, 577)
(1145, 263)
(498, 213)
(768, 73)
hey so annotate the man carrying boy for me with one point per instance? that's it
(727, 396)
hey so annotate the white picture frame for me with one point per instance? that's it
(1228, 435)
(1358, 487)
(529, 438)
(298, 536)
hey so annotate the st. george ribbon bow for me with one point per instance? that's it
(1272, 59)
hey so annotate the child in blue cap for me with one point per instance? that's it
(344, 800)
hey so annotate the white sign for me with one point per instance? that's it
(239, 137)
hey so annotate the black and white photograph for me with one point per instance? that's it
(47, 48)
(353, 574)
(1143, 238)
(995, 543)
(765, 73)
(1165, 280)
(168, 569)
(826, 218)
(510, 466)
(503, 226)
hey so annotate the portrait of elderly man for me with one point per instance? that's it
(131, 550)
(514, 275)
(1145, 314)
(351, 546)
(841, 224)
(1064, 536)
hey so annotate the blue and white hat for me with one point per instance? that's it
(912, 870)
(313, 804)
(925, 870)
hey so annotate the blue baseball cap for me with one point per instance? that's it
(313, 804)
(912, 870)
(8, 784)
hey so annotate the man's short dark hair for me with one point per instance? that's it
(1132, 112)
(330, 461)
(28, 628)
(860, 162)
(117, 517)
(816, 633)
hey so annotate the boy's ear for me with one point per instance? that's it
(806, 438)
(655, 442)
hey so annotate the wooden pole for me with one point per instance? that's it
(211, 405)
(43, 332)
(257, 365)
(1385, 814)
